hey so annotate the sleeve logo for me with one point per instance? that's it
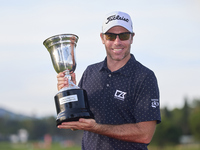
(154, 103)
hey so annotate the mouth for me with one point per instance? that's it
(117, 49)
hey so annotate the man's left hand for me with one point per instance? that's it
(82, 124)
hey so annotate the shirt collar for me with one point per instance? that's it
(124, 70)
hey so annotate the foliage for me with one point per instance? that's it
(176, 123)
(195, 120)
(37, 128)
(167, 132)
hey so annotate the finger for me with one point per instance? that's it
(71, 123)
(83, 120)
(62, 82)
(63, 126)
(73, 75)
(88, 123)
(60, 86)
(61, 74)
(74, 129)
(62, 79)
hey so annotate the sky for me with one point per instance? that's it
(166, 41)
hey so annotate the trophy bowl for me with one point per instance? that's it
(71, 102)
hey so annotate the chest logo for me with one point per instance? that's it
(120, 95)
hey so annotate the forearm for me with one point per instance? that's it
(139, 132)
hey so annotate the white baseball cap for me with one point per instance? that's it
(117, 18)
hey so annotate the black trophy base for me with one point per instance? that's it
(71, 105)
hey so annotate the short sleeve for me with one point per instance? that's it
(147, 107)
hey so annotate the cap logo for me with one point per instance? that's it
(114, 17)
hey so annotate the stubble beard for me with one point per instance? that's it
(126, 54)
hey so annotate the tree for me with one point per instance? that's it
(184, 120)
(167, 132)
(195, 120)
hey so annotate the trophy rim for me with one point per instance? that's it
(59, 35)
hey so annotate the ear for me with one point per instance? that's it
(102, 38)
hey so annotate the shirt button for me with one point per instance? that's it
(109, 75)
(107, 85)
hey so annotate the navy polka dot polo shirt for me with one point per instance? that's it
(128, 95)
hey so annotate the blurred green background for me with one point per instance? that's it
(179, 129)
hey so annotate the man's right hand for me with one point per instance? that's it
(63, 81)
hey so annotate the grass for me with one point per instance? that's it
(177, 147)
(61, 146)
(36, 146)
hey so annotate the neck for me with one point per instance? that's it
(114, 65)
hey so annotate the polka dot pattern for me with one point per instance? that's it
(128, 95)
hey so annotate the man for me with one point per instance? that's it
(122, 93)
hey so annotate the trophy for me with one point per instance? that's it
(71, 102)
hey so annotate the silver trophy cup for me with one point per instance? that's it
(71, 102)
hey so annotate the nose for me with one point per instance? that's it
(117, 40)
